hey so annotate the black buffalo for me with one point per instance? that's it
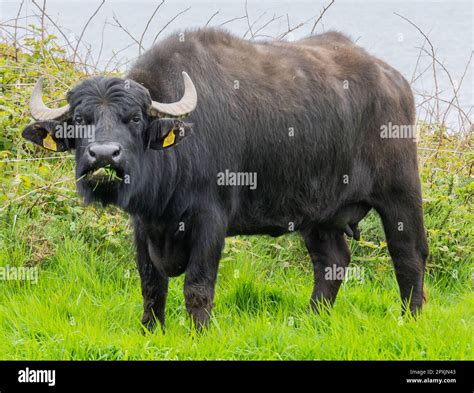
(298, 123)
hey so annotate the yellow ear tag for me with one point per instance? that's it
(169, 140)
(49, 143)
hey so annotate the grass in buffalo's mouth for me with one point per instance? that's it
(105, 174)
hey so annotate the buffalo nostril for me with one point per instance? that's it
(116, 153)
(91, 152)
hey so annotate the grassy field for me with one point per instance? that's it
(86, 302)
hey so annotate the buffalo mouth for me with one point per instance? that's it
(103, 177)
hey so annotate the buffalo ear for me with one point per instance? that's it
(165, 133)
(43, 133)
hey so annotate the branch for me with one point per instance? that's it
(321, 15)
(248, 21)
(232, 20)
(148, 24)
(84, 29)
(433, 55)
(167, 24)
(266, 24)
(16, 30)
(126, 31)
(55, 25)
(212, 16)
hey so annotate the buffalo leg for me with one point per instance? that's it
(207, 241)
(154, 284)
(330, 256)
(402, 220)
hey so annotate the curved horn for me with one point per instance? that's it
(39, 110)
(182, 107)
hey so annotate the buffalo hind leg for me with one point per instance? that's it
(330, 257)
(406, 240)
(154, 284)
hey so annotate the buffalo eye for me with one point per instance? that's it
(136, 118)
(78, 119)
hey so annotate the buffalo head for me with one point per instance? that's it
(111, 124)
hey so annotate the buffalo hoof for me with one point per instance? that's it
(148, 323)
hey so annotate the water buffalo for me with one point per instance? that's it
(302, 119)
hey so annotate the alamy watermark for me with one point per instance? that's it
(75, 131)
(229, 178)
(22, 273)
(399, 131)
(335, 272)
(37, 376)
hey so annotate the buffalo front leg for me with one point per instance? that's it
(154, 284)
(330, 256)
(207, 241)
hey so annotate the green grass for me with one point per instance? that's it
(87, 302)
